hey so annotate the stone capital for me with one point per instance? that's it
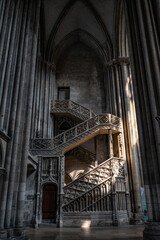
(118, 62)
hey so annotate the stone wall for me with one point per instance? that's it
(80, 69)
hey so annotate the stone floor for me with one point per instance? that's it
(107, 233)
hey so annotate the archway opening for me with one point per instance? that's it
(64, 127)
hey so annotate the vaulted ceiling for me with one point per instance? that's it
(67, 21)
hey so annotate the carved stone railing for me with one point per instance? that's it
(87, 181)
(68, 106)
(40, 146)
(82, 154)
(93, 190)
(99, 198)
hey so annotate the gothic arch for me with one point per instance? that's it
(86, 38)
(60, 19)
(64, 126)
(49, 180)
(120, 37)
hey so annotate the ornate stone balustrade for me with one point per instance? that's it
(87, 181)
(68, 106)
(92, 191)
(76, 134)
(99, 198)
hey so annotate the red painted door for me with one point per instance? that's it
(49, 205)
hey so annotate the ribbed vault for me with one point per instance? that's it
(80, 35)
(79, 18)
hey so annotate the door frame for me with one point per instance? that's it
(41, 201)
(55, 185)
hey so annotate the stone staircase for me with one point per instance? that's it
(99, 194)
(87, 181)
(92, 180)
(94, 125)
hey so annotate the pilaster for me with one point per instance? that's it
(110, 143)
(61, 178)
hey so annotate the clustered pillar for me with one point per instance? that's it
(144, 51)
(18, 51)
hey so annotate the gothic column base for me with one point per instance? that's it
(151, 231)
(3, 234)
(13, 234)
(60, 224)
(137, 219)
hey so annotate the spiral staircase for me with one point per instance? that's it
(100, 195)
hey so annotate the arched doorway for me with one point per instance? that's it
(64, 127)
(49, 204)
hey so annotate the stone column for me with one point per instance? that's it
(114, 194)
(144, 52)
(107, 86)
(4, 31)
(11, 157)
(132, 132)
(23, 170)
(61, 178)
(52, 89)
(110, 143)
(38, 192)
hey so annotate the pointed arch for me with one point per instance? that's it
(60, 19)
(120, 37)
(86, 38)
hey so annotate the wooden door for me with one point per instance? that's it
(49, 205)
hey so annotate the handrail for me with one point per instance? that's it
(97, 185)
(107, 194)
(87, 173)
(79, 129)
(59, 105)
(93, 178)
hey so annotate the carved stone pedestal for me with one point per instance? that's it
(152, 231)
